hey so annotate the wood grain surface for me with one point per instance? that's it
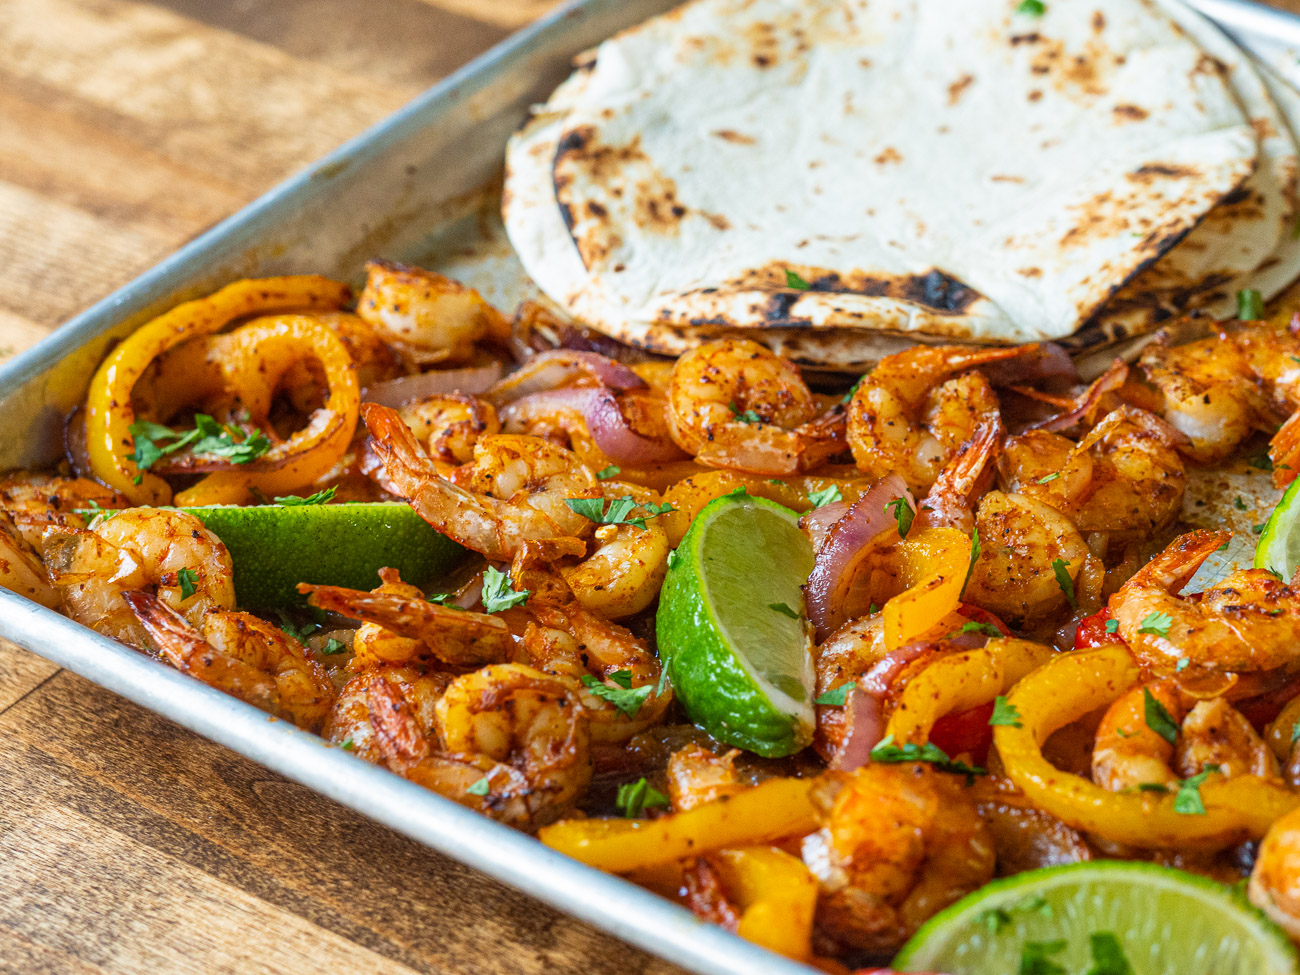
(126, 843)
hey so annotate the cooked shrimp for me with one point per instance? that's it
(1248, 621)
(529, 731)
(21, 569)
(914, 411)
(402, 626)
(1275, 880)
(242, 655)
(387, 716)
(517, 487)
(1220, 390)
(155, 549)
(954, 494)
(899, 843)
(39, 501)
(1020, 539)
(1124, 476)
(450, 425)
(736, 404)
(434, 318)
(624, 573)
(1129, 753)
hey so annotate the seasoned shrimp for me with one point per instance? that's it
(242, 655)
(1220, 390)
(697, 775)
(517, 487)
(528, 734)
(914, 411)
(1020, 539)
(155, 549)
(435, 319)
(624, 573)
(1129, 753)
(36, 502)
(1275, 880)
(1248, 621)
(898, 844)
(736, 404)
(21, 569)
(450, 425)
(387, 716)
(1125, 476)
(402, 626)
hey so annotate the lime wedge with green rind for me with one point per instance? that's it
(275, 547)
(740, 667)
(1279, 544)
(1166, 922)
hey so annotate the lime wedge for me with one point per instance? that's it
(275, 547)
(730, 625)
(1279, 545)
(1165, 922)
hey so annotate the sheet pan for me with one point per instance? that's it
(422, 185)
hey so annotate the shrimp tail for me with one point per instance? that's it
(951, 500)
(1174, 567)
(481, 639)
(396, 730)
(1284, 451)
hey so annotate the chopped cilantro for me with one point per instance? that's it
(1250, 305)
(479, 788)
(616, 511)
(1181, 665)
(1259, 528)
(988, 629)
(784, 610)
(626, 699)
(347, 745)
(320, 497)
(1061, 568)
(208, 438)
(333, 646)
(836, 698)
(188, 580)
(1112, 626)
(1188, 801)
(497, 592)
(1261, 461)
(299, 633)
(1158, 718)
(1152, 787)
(1033, 8)
(1048, 477)
(886, 752)
(903, 514)
(826, 496)
(633, 797)
(974, 557)
(793, 280)
(609, 472)
(853, 391)
(1241, 505)
(1156, 624)
(748, 416)
(1004, 713)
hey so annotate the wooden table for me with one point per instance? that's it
(126, 843)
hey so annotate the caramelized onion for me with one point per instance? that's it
(398, 392)
(548, 371)
(605, 421)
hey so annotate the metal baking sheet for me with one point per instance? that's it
(420, 186)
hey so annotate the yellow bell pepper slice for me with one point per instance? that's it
(776, 894)
(109, 411)
(934, 564)
(769, 811)
(1075, 684)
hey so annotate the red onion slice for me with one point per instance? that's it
(548, 371)
(838, 556)
(398, 392)
(1046, 360)
(865, 707)
(604, 419)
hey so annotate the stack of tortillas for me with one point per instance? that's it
(843, 178)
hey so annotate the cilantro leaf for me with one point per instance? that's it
(320, 497)
(208, 438)
(1048, 477)
(988, 629)
(1181, 665)
(616, 511)
(848, 397)
(1107, 955)
(1061, 568)
(1112, 626)
(903, 514)
(836, 698)
(634, 797)
(793, 280)
(1156, 624)
(299, 633)
(1158, 718)
(333, 646)
(623, 678)
(1241, 505)
(826, 496)
(348, 745)
(886, 752)
(497, 592)
(1004, 713)
(784, 610)
(1188, 801)
(188, 580)
(1250, 305)
(608, 472)
(672, 558)
(628, 700)
(974, 557)
(1261, 461)
(1033, 8)
(479, 788)
(749, 416)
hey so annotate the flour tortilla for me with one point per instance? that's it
(944, 167)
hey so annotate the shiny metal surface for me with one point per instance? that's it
(418, 186)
